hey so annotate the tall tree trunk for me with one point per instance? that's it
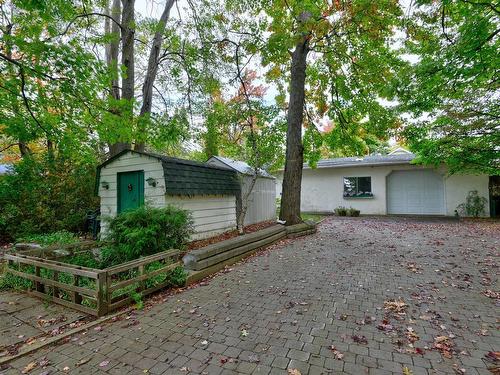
(114, 47)
(112, 51)
(292, 178)
(24, 150)
(147, 87)
(127, 33)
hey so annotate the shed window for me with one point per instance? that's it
(358, 187)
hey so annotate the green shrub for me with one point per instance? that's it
(340, 211)
(85, 259)
(45, 196)
(145, 231)
(353, 212)
(10, 281)
(474, 205)
(61, 237)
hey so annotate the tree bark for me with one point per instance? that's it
(114, 46)
(292, 178)
(147, 87)
(112, 51)
(127, 38)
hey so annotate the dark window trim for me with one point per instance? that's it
(364, 196)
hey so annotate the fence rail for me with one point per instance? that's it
(94, 291)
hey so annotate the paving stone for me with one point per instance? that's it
(298, 355)
(324, 285)
(280, 362)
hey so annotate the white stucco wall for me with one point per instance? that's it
(322, 188)
(458, 186)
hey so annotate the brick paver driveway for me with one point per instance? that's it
(288, 307)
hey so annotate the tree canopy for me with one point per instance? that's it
(452, 91)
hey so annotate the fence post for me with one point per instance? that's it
(109, 298)
(38, 286)
(102, 305)
(55, 289)
(142, 284)
(76, 297)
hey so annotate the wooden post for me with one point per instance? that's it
(76, 297)
(102, 306)
(142, 284)
(38, 285)
(109, 298)
(55, 289)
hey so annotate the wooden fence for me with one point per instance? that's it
(93, 291)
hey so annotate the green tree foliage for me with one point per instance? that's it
(454, 84)
(331, 60)
(245, 128)
(350, 66)
(50, 83)
(44, 195)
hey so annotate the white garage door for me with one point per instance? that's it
(415, 192)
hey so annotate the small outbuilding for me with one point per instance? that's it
(262, 198)
(131, 178)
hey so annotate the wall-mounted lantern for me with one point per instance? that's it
(105, 185)
(151, 181)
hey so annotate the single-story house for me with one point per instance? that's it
(130, 179)
(261, 204)
(388, 184)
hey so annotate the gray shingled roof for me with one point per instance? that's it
(372, 160)
(240, 166)
(188, 177)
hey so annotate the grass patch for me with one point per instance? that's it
(314, 217)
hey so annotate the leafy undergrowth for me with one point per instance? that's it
(62, 237)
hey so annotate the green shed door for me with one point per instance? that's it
(130, 190)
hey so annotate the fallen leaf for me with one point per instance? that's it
(244, 333)
(338, 355)
(360, 339)
(83, 361)
(103, 363)
(492, 356)
(30, 366)
(294, 371)
(407, 371)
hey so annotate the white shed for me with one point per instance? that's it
(262, 199)
(131, 178)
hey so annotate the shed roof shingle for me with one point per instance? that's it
(188, 177)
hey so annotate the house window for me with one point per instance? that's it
(358, 187)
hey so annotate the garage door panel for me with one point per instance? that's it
(415, 192)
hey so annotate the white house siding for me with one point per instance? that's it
(262, 200)
(154, 196)
(212, 214)
(322, 188)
